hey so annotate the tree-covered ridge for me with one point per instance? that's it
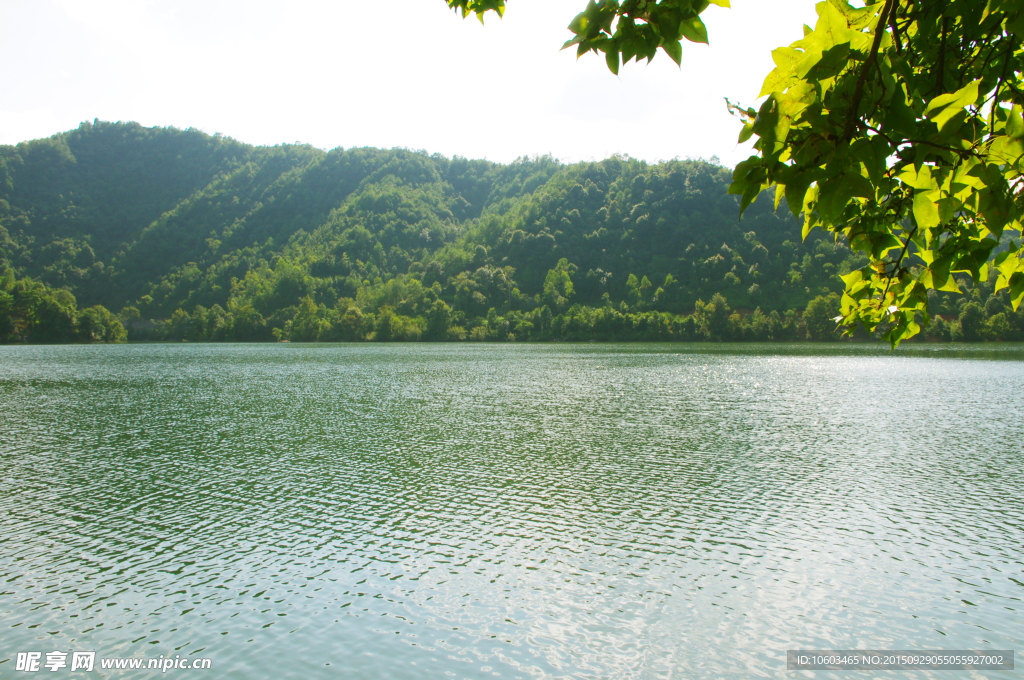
(204, 238)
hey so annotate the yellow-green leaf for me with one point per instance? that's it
(943, 108)
(925, 211)
(832, 27)
(919, 177)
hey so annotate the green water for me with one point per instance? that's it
(557, 511)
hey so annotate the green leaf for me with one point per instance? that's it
(781, 129)
(857, 17)
(766, 120)
(1014, 124)
(748, 196)
(810, 202)
(1016, 289)
(1011, 274)
(674, 49)
(833, 60)
(925, 211)
(630, 47)
(785, 68)
(579, 24)
(996, 6)
(796, 190)
(881, 243)
(943, 108)
(919, 177)
(836, 193)
(937, 274)
(694, 30)
(898, 118)
(832, 27)
(872, 153)
(948, 208)
(852, 278)
(611, 58)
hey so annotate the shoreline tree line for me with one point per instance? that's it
(404, 311)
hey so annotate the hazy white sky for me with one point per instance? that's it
(402, 73)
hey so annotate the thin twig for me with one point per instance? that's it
(851, 117)
(896, 269)
(1010, 84)
(895, 33)
(995, 97)
(995, 46)
(889, 139)
(977, 49)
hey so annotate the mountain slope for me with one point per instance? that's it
(158, 222)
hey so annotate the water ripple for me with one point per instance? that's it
(623, 511)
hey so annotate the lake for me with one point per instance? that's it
(509, 511)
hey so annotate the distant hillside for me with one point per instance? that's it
(158, 222)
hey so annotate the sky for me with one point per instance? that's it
(402, 73)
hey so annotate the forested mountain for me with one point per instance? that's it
(201, 237)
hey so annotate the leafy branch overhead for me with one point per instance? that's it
(477, 7)
(635, 29)
(622, 31)
(897, 126)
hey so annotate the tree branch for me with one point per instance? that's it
(858, 91)
(1009, 84)
(894, 144)
(896, 268)
(941, 79)
(991, 53)
(895, 32)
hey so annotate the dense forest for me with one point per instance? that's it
(202, 238)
